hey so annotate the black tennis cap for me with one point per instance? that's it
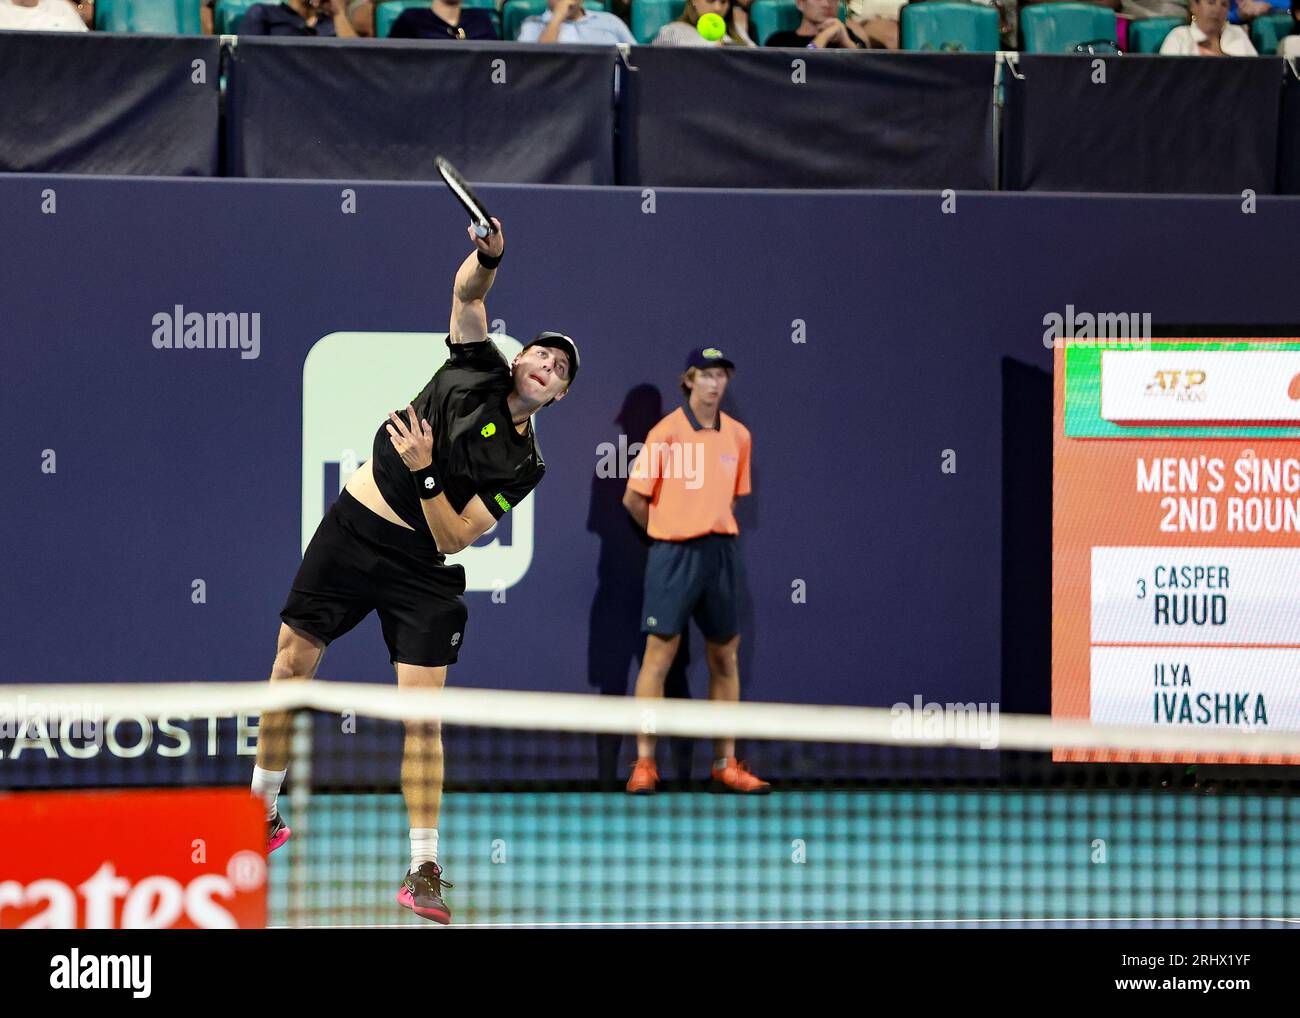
(708, 357)
(559, 341)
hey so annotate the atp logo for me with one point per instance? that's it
(350, 381)
(1182, 386)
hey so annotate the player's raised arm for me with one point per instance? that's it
(473, 280)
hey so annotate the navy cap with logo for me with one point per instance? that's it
(559, 341)
(708, 357)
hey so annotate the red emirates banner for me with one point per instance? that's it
(132, 860)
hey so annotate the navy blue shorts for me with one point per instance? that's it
(699, 579)
(358, 562)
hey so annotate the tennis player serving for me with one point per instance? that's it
(443, 471)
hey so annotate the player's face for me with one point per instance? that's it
(541, 373)
(710, 384)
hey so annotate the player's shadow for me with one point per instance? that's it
(615, 643)
(747, 519)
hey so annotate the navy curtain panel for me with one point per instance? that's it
(123, 104)
(1184, 125)
(379, 109)
(807, 119)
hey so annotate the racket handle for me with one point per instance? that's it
(481, 231)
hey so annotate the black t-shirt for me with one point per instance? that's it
(419, 23)
(793, 40)
(281, 19)
(476, 449)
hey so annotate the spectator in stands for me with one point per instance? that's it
(683, 32)
(1289, 46)
(362, 15)
(876, 21)
(41, 16)
(566, 21)
(740, 18)
(298, 17)
(819, 29)
(443, 19)
(1246, 11)
(1209, 34)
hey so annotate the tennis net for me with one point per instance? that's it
(924, 814)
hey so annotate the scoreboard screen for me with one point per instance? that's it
(1176, 537)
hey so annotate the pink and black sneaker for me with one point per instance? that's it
(277, 832)
(422, 893)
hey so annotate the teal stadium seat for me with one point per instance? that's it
(1147, 34)
(226, 15)
(1267, 32)
(648, 16)
(515, 11)
(389, 11)
(164, 17)
(950, 27)
(1058, 28)
(769, 16)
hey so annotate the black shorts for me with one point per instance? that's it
(358, 562)
(698, 578)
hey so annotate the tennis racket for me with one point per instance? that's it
(478, 215)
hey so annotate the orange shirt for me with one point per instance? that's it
(691, 474)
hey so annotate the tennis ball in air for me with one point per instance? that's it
(711, 27)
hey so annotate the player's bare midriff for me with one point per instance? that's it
(363, 488)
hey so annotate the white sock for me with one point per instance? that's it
(266, 785)
(424, 846)
(720, 763)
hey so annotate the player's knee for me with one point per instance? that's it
(424, 729)
(722, 656)
(660, 651)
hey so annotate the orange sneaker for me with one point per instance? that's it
(736, 777)
(644, 777)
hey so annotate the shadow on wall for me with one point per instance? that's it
(615, 643)
(751, 687)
